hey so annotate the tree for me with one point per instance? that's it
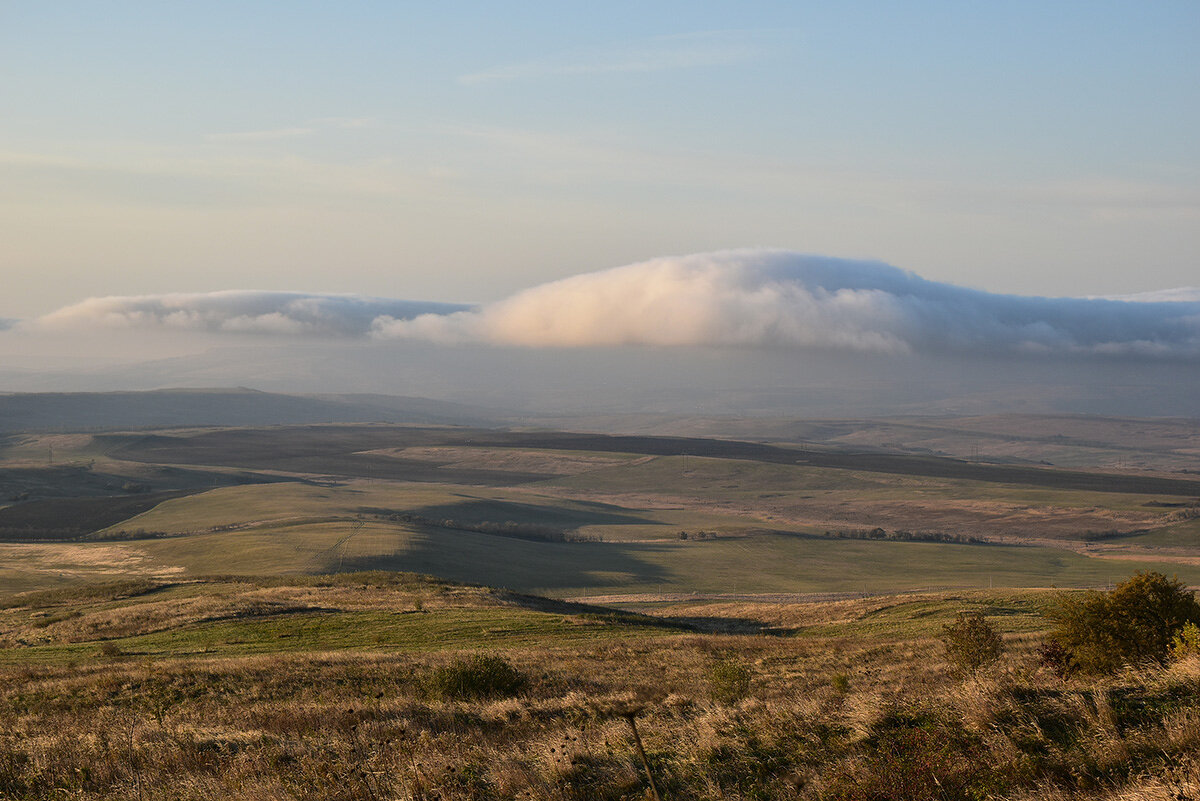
(1136, 623)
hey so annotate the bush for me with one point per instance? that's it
(1135, 623)
(971, 642)
(479, 676)
(728, 682)
(1186, 642)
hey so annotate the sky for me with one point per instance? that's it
(472, 152)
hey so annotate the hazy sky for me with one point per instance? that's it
(462, 152)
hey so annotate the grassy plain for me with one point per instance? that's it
(323, 687)
(558, 514)
(770, 626)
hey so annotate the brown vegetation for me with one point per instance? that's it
(810, 716)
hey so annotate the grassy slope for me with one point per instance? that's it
(402, 612)
(222, 617)
(294, 702)
(1185, 534)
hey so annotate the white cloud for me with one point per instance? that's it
(763, 298)
(238, 311)
(743, 299)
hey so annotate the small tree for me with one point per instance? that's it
(1135, 623)
(971, 642)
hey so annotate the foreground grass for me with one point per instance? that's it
(857, 704)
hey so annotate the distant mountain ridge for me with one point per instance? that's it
(90, 411)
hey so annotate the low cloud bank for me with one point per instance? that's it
(241, 312)
(783, 299)
(747, 298)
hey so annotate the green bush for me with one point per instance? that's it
(971, 642)
(475, 677)
(728, 682)
(1186, 642)
(1136, 623)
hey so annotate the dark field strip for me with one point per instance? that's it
(332, 449)
(56, 519)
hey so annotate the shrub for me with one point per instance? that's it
(728, 682)
(478, 676)
(1186, 642)
(1135, 623)
(971, 642)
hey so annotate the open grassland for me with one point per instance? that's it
(808, 498)
(266, 506)
(1072, 441)
(383, 612)
(134, 690)
(558, 513)
(765, 563)
(363, 451)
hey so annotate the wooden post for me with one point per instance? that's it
(637, 740)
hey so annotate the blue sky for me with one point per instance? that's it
(460, 152)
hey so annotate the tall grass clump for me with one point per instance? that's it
(480, 676)
(728, 682)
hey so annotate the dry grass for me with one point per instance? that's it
(872, 714)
